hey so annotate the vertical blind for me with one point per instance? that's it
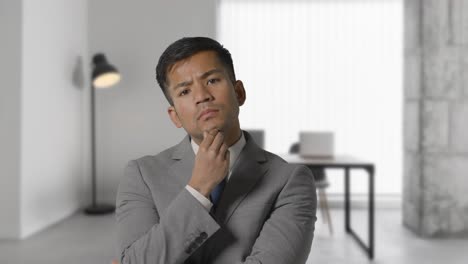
(322, 65)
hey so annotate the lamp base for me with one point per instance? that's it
(99, 209)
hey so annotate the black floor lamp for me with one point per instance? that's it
(104, 75)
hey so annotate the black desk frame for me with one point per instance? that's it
(347, 164)
(369, 168)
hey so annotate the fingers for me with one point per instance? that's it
(208, 137)
(224, 152)
(212, 140)
(217, 142)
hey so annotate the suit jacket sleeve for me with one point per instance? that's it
(286, 237)
(147, 235)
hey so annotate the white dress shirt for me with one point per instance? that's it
(234, 152)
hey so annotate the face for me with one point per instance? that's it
(204, 97)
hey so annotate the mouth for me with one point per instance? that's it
(207, 113)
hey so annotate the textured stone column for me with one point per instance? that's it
(435, 194)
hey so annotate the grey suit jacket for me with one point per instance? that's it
(266, 213)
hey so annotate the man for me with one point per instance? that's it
(216, 197)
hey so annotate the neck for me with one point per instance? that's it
(233, 138)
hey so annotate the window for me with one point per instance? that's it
(323, 65)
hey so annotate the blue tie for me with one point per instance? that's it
(216, 193)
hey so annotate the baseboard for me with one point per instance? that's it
(52, 220)
(360, 201)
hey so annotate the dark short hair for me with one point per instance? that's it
(185, 48)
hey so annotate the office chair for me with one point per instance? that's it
(321, 183)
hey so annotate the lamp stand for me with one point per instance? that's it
(95, 208)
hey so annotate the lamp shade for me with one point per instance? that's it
(104, 74)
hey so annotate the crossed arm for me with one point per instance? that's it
(148, 236)
(286, 236)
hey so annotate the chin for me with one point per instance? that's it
(214, 124)
(212, 128)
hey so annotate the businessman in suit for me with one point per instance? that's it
(216, 197)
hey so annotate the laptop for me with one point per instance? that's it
(316, 144)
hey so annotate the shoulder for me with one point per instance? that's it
(276, 163)
(149, 171)
(161, 160)
(283, 173)
(291, 180)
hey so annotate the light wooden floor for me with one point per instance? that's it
(82, 239)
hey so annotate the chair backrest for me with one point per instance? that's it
(295, 148)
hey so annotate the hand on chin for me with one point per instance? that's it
(211, 125)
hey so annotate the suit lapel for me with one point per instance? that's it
(249, 169)
(181, 170)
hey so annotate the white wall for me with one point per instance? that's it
(10, 84)
(131, 117)
(42, 118)
(44, 114)
(54, 39)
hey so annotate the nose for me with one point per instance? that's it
(202, 94)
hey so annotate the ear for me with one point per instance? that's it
(174, 116)
(240, 92)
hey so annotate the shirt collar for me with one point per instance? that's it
(234, 150)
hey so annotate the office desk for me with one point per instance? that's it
(346, 163)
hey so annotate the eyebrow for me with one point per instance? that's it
(203, 76)
(208, 73)
(182, 84)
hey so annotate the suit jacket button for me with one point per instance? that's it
(191, 248)
(203, 235)
(199, 240)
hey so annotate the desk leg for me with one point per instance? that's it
(371, 172)
(369, 249)
(347, 202)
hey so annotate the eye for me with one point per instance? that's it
(184, 92)
(213, 81)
